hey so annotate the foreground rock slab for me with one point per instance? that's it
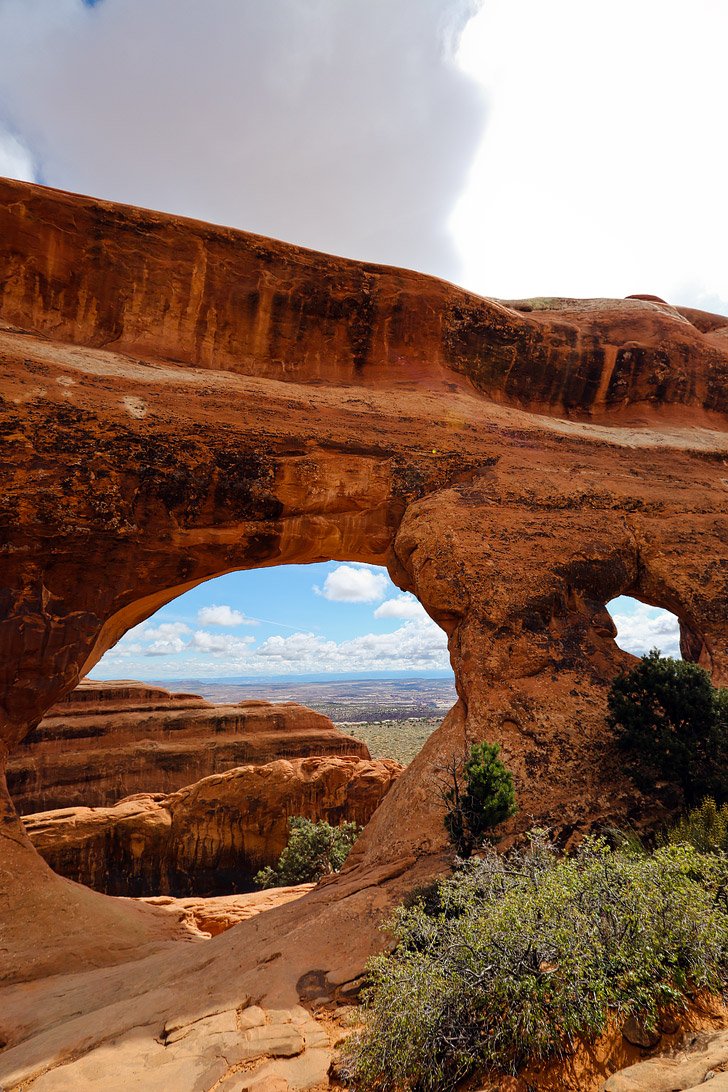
(701, 1061)
(247, 1049)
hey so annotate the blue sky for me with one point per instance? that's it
(327, 619)
(321, 619)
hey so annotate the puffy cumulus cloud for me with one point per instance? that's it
(165, 639)
(619, 186)
(219, 644)
(124, 650)
(15, 159)
(165, 646)
(403, 606)
(415, 646)
(164, 631)
(347, 127)
(646, 628)
(133, 635)
(172, 638)
(223, 616)
(354, 584)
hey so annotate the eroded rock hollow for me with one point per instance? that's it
(181, 400)
(209, 838)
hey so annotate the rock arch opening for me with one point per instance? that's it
(642, 627)
(261, 694)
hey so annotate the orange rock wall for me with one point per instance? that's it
(147, 284)
(105, 741)
(209, 838)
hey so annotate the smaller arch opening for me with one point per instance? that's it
(642, 627)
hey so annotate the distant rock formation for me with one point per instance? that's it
(109, 740)
(211, 837)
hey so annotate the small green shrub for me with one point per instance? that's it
(313, 850)
(672, 725)
(704, 827)
(528, 951)
(486, 799)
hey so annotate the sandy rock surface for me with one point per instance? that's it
(700, 1061)
(247, 1049)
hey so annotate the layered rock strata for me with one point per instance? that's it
(108, 740)
(181, 400)
(209, 838)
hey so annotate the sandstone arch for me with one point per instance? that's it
(181, 400)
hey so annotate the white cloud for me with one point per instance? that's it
(223, 616)
(164, 646)
(219, 643)
(601, 170)
(414, 646)
(404, 606)
(165, 639)
(15, 159)
(342, 126)
(647, 628)
(348, 584)
(164, 631)
(125, 651)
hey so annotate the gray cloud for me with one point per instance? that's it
(344, 126)
(15, 159)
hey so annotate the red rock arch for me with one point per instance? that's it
(182, 400)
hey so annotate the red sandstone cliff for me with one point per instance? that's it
(108, 740)
(210, 837)
(180, 401)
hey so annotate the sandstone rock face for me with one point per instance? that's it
(211, 837)
(215, 914)
(108, 740)
(701, 1058)
(240, 1049)
(180, 401)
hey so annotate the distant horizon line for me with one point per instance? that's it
(262, 680)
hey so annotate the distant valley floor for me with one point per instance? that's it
(393, 717)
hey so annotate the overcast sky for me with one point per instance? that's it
(568, 148)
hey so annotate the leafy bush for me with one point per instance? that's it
(704, 827)
(528, 951)
(486, 800)
(314, 850)
(673, 725)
